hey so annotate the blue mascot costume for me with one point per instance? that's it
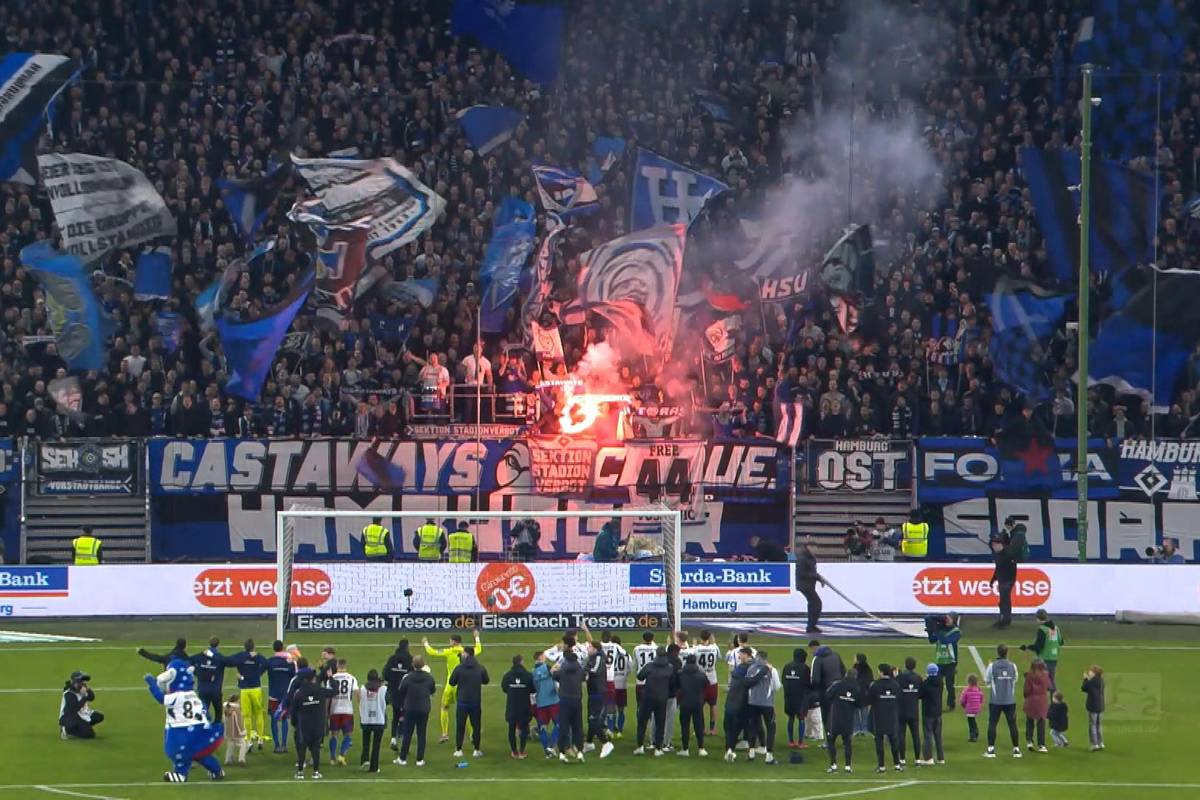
(189, 735)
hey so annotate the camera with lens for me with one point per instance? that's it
(934, 625)
(1155, 552)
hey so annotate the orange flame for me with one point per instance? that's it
(582, 410)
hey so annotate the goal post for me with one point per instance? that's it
(407, 594)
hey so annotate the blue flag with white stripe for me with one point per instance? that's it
(169, 326)
(152, 281)
(509, 249)
(1024, 317)
(29, 83)
(250, 345)
(665, 192)
(564, 191)
(488, 127)
(527, 34)
(71, 305)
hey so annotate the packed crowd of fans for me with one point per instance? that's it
(192, 91)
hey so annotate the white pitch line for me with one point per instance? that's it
(978, 661)
(851, 792)
(55, 790)
(602, 778)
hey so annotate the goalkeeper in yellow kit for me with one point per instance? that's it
(452, 654)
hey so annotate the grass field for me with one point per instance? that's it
(1150, 729)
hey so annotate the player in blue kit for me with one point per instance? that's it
(280, 671)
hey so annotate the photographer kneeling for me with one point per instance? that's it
(76, 718)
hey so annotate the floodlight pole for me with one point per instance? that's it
(1085, 226)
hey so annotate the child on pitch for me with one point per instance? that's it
(1058, 720)
(236, 743)
(1093, 687)
(341, 712)
(971, 700)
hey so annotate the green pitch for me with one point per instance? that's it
(1150, 729)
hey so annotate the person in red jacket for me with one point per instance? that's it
(1037, 704)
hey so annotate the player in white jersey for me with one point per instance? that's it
(708, 653)
(341, 712)
(618, 680)
(554, 652)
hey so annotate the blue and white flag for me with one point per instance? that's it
(665, 192)
(1024, 318)
(152, 281)
(643, 267)
(29, 83)
(102, 205)
(249, 201)
(564, 191)
(606, 152)
(512, 242)
(71, 305)
(210, 301)
(540, 284)
(250, 345)
(488, 127)
(399, 206)
(527, 34)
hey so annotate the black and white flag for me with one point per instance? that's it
(29, 82)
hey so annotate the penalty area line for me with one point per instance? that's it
(57, 790)
(853, 792)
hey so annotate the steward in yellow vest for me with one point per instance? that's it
(914, 537)
(377, 541)
(86, 548)
(462, 546)
(429, 541)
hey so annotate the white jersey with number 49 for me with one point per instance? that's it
(707, 656)
(345, 689)
(184, 709)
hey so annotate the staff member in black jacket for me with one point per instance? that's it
(807, 580)
(399, 664)
(737, 698)
(844, 699)
(210, 665)
(692, 685)
(1006, 551)
(570, 675)
(415, 690)
(470, 677)
(931, 715)
(797, 683)
(910, 708)
(517, 685)
(179, 652)
(657, 676)
(308, 713)
(597, 687)
(884, 699)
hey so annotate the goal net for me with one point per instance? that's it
(498, 592)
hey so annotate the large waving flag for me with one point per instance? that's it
(1123, 204)
(102, 205)
(1024, 317)
(488, 127)
(1138, 47)
(541, 285)
(249, 201)
(399, 206)
(250, 345)
(665, 192)
(512, 242)
(628, 322)
(564, 191)
(528, 34)
(643, 267)
(422, 291)
(29, 82)
(1135, 358)
(152, 281)
(210, 301)
(71, 305)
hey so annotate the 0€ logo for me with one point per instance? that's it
(505, 588)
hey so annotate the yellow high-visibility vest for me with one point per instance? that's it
(914, 539)
(87, 551)
(374, 537)
(429, 542)
(461, 543)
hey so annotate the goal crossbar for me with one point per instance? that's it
(672, 540)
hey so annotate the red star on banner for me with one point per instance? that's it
(1036, 457)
